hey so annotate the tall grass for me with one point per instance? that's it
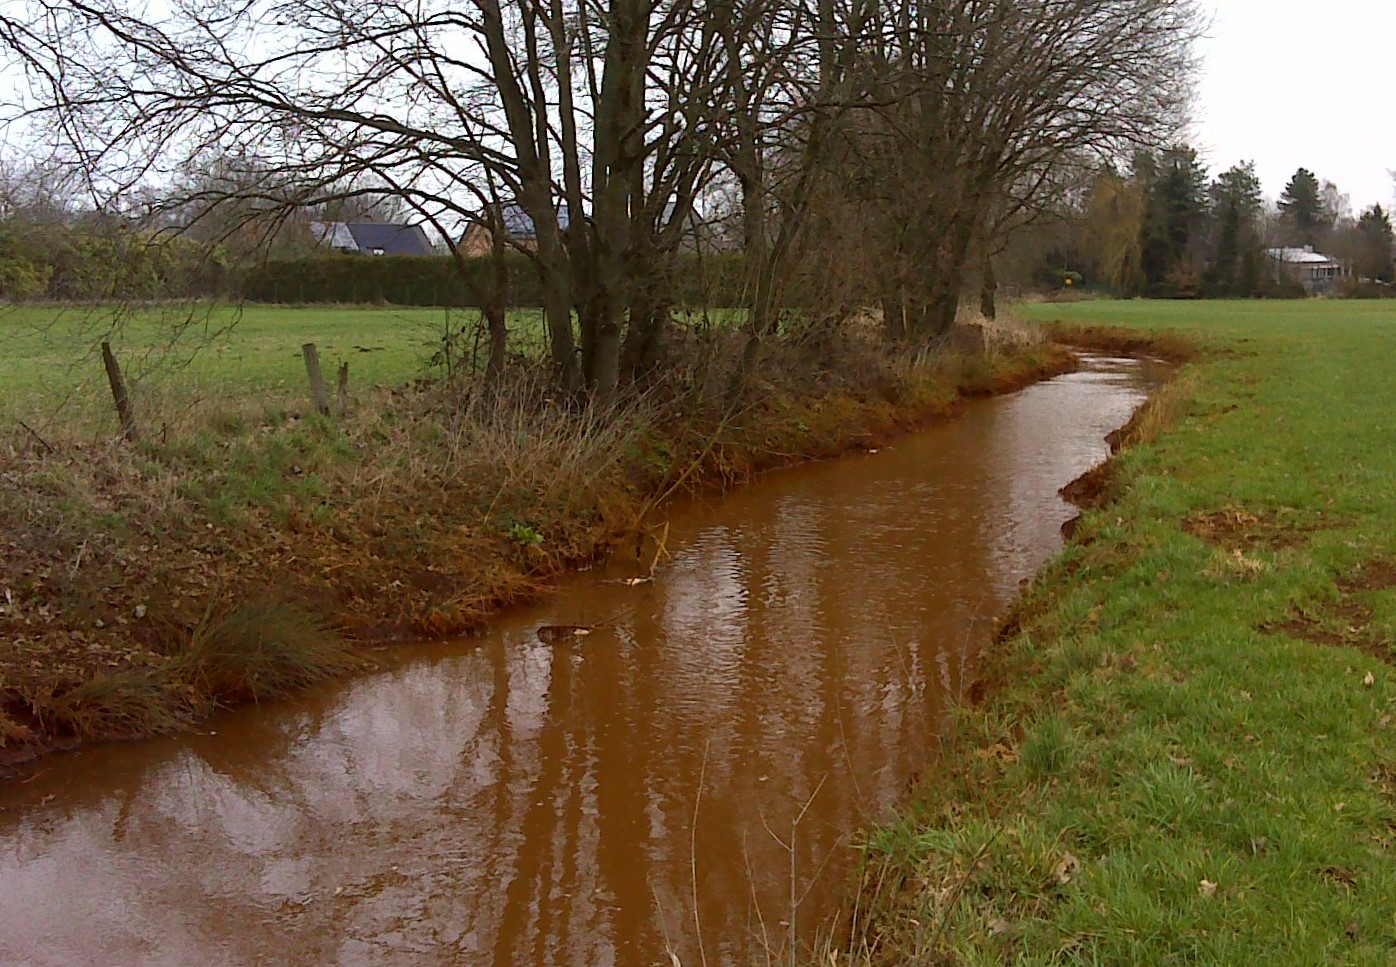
(261, 650)
(127, 703)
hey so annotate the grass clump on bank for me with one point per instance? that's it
(263, 649)
(428, 505)
(1186, 752)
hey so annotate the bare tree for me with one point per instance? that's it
(916, 132)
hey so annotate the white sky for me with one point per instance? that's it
(1290, 83)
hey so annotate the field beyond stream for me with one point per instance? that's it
(1184, 749)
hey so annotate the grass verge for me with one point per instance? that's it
(1184, 753)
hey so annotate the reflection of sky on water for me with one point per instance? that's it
(1031, 446)
(507, 801)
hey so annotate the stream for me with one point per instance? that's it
(683, 784)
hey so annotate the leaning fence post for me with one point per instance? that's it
(317, 381)
(342, 401)
(119, 394)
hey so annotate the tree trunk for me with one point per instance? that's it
(988, 290)
(942, 308)
(894, 315)
(649, 320)
(747, 370)
(557, 314)
(605, 371)
(942, 303)
(496, 320)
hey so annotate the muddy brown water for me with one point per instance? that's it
(685, 780)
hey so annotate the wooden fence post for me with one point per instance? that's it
(119, 394)
(317, 381)
(343, 395)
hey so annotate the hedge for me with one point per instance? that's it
(405, 280)
(714, 281)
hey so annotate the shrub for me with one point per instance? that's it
(21, 278)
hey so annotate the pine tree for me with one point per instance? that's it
(1301, 206)
(1235, 203)
(1175, 214)
(1375, 245)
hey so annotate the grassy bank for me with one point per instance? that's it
(243, 552)
(1186, 753)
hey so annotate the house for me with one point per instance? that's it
(518, 226)
(373, 238)
(1315, 271)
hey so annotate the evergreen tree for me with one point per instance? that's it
(1375, 245)
(1301, 207)
(1235, 208)
(1175, 214)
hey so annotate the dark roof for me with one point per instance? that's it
(519, 224)
(389, 239)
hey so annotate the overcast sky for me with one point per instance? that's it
(1296, 82)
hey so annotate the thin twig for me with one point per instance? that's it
(693, 857)
(35, 434)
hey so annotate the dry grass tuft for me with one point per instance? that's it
(1159, 412)
(262, 650)
(12, 733)
(128, 703)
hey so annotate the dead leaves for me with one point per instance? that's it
(1235, 565)
(1235, 528)
(554, 634)
(998, 752)
(1067, 869)
(1346, 621)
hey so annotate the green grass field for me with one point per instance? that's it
(192, 361)
(1189, 754)
(182, 356)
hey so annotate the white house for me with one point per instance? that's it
(1315, 271)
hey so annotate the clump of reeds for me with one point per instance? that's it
(128, 703)
(12, 732)
(261, 650)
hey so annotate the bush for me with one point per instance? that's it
(22, 279)
(102, 261)
(1054, 277)
(1364, 289)
(405, 280)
